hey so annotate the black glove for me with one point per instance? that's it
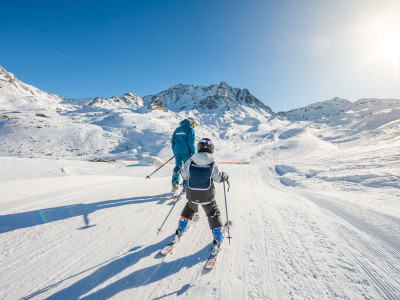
(224, 177)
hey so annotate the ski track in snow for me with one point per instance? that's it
(377, 254)
(287, 243)
(316, 214)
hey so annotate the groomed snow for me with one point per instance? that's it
(87, 230)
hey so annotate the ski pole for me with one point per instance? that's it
(177, 199)
(176, 173)
(148, 176)
(227, 218)
(185, 163)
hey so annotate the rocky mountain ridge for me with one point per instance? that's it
(216, 97)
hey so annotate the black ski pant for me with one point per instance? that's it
(211, 209)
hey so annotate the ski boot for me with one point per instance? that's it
(182, 226)
(183, 223)
(175, 186)
(218, 234)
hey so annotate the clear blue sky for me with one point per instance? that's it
(287, 53)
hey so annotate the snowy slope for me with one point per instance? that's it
(94, 227)
(316, 211)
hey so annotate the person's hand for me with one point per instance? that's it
(224, 177)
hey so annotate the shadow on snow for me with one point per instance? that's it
(42, 216)
(137, 278)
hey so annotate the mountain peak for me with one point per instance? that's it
(6, 76)
(224, 84)
(219, 97)
(12, 86)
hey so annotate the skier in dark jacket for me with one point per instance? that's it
(183, 147)
(201, 171)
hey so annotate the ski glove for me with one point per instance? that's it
(224, 177)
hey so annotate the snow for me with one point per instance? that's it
(314, 199)
(76, 229)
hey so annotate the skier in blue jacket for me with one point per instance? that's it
(182, 147)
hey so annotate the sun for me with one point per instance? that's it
(373, 43)
(384, 35)
(389, 45)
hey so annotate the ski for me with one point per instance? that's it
(175, 238)
(168, 248)
(212, 259)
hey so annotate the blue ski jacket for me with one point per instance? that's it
(183, 140)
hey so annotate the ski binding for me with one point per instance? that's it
(175, 238)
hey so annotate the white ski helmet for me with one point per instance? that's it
(192, 121)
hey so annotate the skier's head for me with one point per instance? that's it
(192, 121)
(205, 145)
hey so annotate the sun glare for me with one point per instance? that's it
(384, 34)
(377, 40)
(389, 46)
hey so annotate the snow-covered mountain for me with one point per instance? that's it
(128, 100)
(218, 97)
(213, 99)
(370, 120)
(16, 94)
(35, 123)
(340, 111)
